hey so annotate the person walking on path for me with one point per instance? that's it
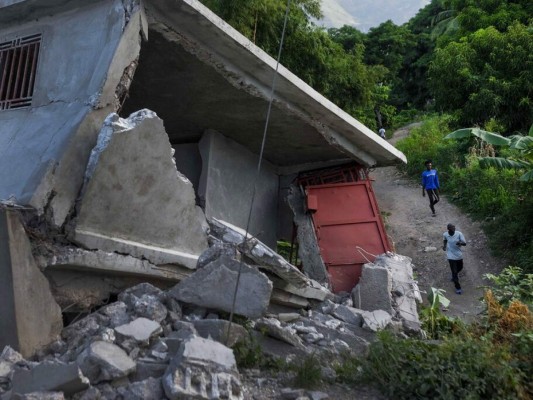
(430, 184)
(382, 132)
(453, 240)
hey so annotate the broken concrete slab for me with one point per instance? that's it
(260, 253)
(313, 290)
(376, 320)
(405, 290)
(272, 327)
(149, 389)
(213, 287)
(112, 263)
(288, 299)
(31, 317)
(373, 292)
(217, 329)
(50, 377)
(103, 361)
(308, 249)
(140, 329)
(202, 369)
(349, 314)
(150, 207)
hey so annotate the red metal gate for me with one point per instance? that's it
(349, 229)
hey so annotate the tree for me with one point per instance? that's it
(521, 148)
(488, 74)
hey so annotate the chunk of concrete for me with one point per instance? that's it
(149, 306)
(260, 253)
(404, 288)
(273, 328)
(140, 329)
(348, 314)
(308, 249)
(149, 389)
(288, 299)
(112, 264)
(313, 290)
(39, 396)
(117, 313)
(373, 292)
(103, 361)
(217, 329)
(50, 377)
(213, 286)
(203, 369)
(31, 317)
(376, 320)
(150, 207)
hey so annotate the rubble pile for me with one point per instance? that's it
(178, 343)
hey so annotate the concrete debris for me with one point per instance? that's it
(260, 253)
(217, 329)
(272, 327)
(155, 344)
(373, 292)
(140, 329)
(404, 289)
(202, 369)
(376, 320)
(161, 233)
(214, 285)
(49, 377)
(103, 361)
(39, 396)
(308, 249)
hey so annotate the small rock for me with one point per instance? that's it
(140, 329)
(103, 361)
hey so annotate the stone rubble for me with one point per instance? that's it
(179, 343)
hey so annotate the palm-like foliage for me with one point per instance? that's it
(520, 144)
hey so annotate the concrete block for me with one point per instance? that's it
(376, 320)
(117, 313)
(50, 377)
(150, 207)
(273, 328)
(202, 369)
(149, 389)
(404, 288)
(264, 256)
(213, 287)
(150, 307)
(373, 292)
(103, 361)
(217, 329)
(140, 329)
(348, 314)
(31, 317)
(308, 249)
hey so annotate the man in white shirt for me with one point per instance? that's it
(382, 132)
(453, 241)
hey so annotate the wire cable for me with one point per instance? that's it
(254, 190)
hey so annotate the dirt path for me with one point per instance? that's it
(415, 232)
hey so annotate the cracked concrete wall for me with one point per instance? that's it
(226, 185)
(83, 54)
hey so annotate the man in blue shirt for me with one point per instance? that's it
(430, 184)
(453, 240)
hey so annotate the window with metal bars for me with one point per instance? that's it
(18, 65)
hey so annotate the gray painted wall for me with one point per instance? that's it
(76, 52)
(189, 162)
(226, 184)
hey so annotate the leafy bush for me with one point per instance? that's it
(454, 369)
(434, 322)
(512, 284)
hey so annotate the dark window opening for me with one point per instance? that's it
(18, 65)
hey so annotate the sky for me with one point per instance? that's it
(365, 14)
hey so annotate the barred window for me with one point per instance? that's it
(18, 65)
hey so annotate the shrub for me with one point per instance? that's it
(308, 372)
(454, 369)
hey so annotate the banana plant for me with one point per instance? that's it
(433, 320)
(523, 145)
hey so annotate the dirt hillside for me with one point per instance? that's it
(414, 232)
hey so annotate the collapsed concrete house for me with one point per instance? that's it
(125, 126)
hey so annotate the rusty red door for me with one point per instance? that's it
(349, 229)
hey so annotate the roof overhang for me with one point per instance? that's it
(199, 73)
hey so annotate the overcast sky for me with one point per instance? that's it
(365, 14)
